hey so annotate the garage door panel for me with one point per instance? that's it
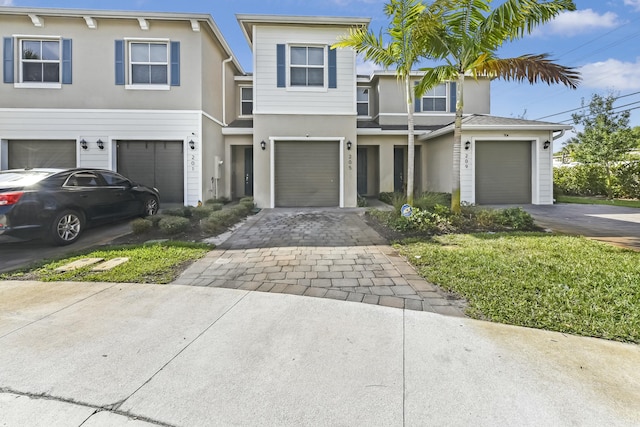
(503, 172)
(42, 154)
(157, 164)
(307, 174)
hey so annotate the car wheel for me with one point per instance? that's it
(150, 206)
(66, 227)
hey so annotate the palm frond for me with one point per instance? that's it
(532, 68)
(433, 76)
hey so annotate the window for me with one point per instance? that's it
(40, 61)
(36, 61)
(82, 179)
(435, 99)
(363, 101)
(149, 63)
(246, 101)
(114, 180)
(307, 66)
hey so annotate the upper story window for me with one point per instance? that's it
(307, 66)
(40, 61)
(246, 101)
(440, 99)
(149, 63)
(36, 61)
(362, 101)
(435, 99)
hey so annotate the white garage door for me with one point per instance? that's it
(307, 173)
(42, 154)
(503, 172)
(158, 164)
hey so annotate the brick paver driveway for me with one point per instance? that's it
(327, 253)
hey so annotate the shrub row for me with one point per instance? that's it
(210, 217)
(591, 180)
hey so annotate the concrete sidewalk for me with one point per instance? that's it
(97, 354)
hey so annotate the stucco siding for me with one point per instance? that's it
(439, 161)
(270, 99)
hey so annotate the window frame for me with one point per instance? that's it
(20, 83)
(245, 101)
(324, 67)
(367, 91)
(129, 84)
(446, 97)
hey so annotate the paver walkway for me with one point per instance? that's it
(326, 253)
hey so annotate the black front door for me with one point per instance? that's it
(398, 169)
(362, 171)
(248, 171)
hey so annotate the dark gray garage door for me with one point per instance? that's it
(503, 172)
(42, 154)
(307, 173)
(157, 164)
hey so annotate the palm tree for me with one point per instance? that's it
(401, 52)
(466, 34)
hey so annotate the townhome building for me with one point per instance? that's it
(161, 98)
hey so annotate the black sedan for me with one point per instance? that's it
(58, 204)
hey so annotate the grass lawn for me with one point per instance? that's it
(598, 201)
(156, 263)
(560, 283)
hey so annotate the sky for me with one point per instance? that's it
(601, 39)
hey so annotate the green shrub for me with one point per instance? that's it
(515, 219)
(155, 219)
(221, 200)
(427, 200)
(174, 224)
(141, 225)
(183, 211)
(385, 197)
(362, 202)
(200, 212)
(580, 180)
(215, 206)
(628, 180)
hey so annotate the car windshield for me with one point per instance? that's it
(22, 178)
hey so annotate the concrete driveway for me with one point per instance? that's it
(612, 224)
(104, 354)
(15, 253)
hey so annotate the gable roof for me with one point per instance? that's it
(247, 22)
(487, 122)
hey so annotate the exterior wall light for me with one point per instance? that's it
(84, 144)
(546, 144)
(263, 145)
(467, 145)
(100, 144)
(349, 145)
(192, 144)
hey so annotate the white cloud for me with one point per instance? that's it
(366, 68)
(6, 2)
(633, 3)
(611, 74)
(579, 21)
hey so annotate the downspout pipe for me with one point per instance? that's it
(224, 89)
(560, 135)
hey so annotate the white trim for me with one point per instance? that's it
(213, 119)
(237, 131)
(325, 68)
(195, 25)
(272, 173)
(149, 86)
(36, 20)
(130, 64)
(281, 112)
(37, 85)
(91, 23)
(144, 24)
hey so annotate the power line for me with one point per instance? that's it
(583, 107)
(569, 121)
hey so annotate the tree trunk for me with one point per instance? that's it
(411, 141)
(457, 143)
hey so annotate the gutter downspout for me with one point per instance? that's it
(224, 89)
(559, 136)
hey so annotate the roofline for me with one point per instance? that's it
(120, 14)
(450, 128)
(246, 21)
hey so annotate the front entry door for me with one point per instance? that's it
(398, 169)
(248, 171)
(362, 171)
